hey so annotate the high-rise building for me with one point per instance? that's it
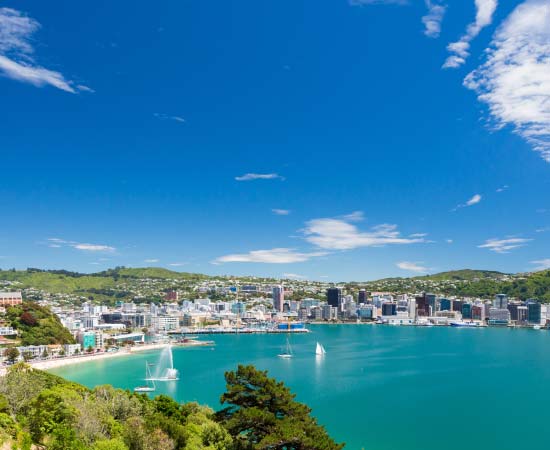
(278, 298)
(500, 301)
(466, 311)
(362, 296)
(445, 304)
(389, 309)
(431, 300)
(334, 297)
(422, 307)
(533, 312)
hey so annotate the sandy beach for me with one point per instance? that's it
(60, 362)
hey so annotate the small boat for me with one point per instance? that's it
(536, 327)
(320, 350)
(148, 387)
(465, 324)
(288, 351)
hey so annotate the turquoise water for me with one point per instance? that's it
(379, 387)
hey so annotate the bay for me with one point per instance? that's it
(378, 387)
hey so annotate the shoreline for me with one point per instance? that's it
(61, 362)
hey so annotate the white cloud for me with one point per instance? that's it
(273, 256)
(432, 20)
(502, 188)
(504, 245)
(338, 234)
(168, 117)
(294, 276)
(472, 201)
(449, 241)
(280, 212)
(542, 230)
(355, 216)
(58, 243)
(152, 260)
(259, 176)
(94, 247)
(542, 264)
(514, 81)
(412, 267)
(460, 50)
(178, 264)
(16, 53)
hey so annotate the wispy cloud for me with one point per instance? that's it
(273, 256)
(449, 241)
(459, 50)
(151, 260)
(432, 20)
(412, 267)
(84, 246)
(504, 245)
(169, 117)
(177, 264)
(542, 230)
(502, 188)
(514, 81)
(17, 53)
(542, 264)
(280, 212)
(471, 202)
(259, 176)
(339, 234)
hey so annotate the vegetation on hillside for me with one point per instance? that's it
(38, 409)
(37, 325)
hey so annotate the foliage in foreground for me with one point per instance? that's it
(37, 325)
(41, 410)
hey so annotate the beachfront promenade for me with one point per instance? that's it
(46, 364)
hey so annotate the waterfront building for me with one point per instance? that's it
(445, 304)
(389, 309)
(86, 339)
(330, 312)
(366, 312)
(422, 306)
(466, 311)
(10, 298)
(478, 312)
(533, 312)
(334, 297)
(500, 301)
(498, 316)
(164, 323)
(457, 305)
(362, 296)
(513, 308)
(278, 295)
(521, 314)
(431, 300)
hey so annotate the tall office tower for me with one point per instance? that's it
(501, 301)
(278, 298)
(334, 297)
(362, 297)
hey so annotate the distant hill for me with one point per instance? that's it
(466, 274)
(150, 283)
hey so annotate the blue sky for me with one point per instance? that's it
(330, 140)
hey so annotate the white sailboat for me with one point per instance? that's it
(147, 387)
(288, 351)
(320, 350)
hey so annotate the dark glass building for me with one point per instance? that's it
(466, 311)
(533, 312)
(334, 297)
(445, 304)
(362, 297)
(389, 309)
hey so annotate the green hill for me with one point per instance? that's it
(466, 274)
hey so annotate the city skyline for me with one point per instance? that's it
(350, 140)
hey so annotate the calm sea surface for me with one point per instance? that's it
(379, 387)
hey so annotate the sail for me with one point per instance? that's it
(319, 350)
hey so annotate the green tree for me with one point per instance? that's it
(11, 354)
(263, 415)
